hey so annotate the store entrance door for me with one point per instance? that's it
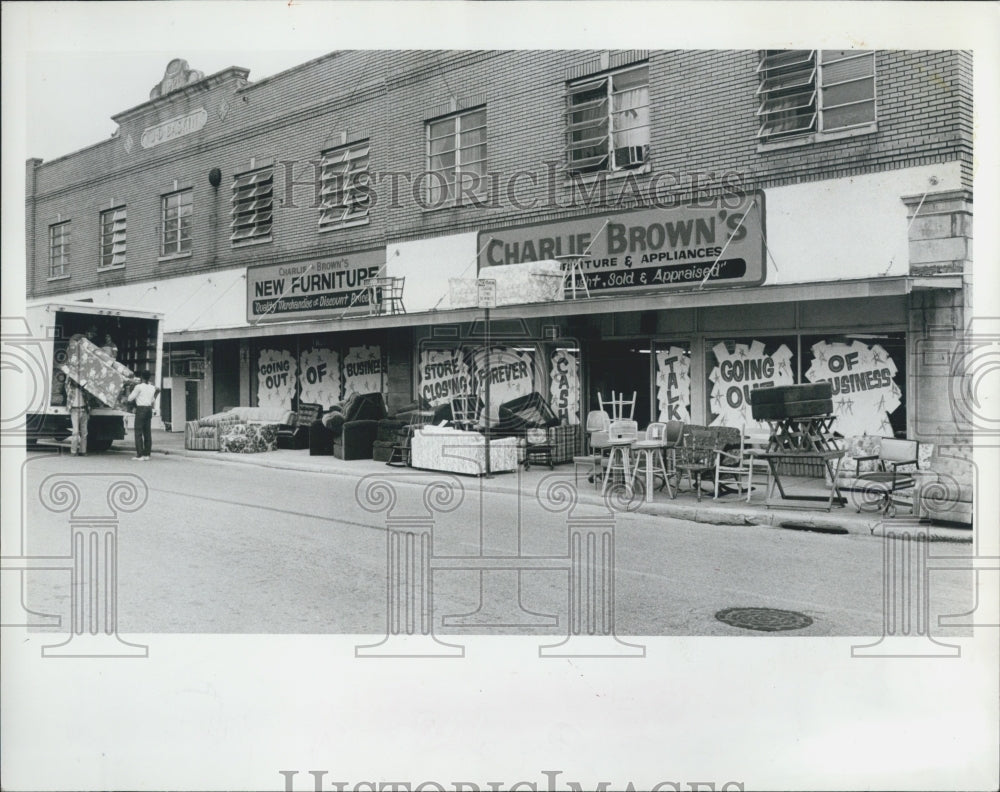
(621, 366)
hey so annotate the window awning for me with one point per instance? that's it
(652, 301)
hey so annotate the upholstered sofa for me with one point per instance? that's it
(205, 434)
(457, 451)
(945, 490)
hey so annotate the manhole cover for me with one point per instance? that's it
(763, 619)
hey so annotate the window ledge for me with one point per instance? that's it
(111, 268)
(323, 229)
(173, 257)
(242, 243)
(478, 204)
(817, 137)
(58, 278)
(591, 178)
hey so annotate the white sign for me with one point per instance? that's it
(275, 378)
(443, 375)
(487, 289)
(673, 384)
(863, 384)
(173, 128)
(739, 372)
(564, 385)
(319, 377)
(511, 375)
(364, 370)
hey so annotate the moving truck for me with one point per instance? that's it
(138, 337)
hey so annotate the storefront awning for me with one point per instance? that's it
(660, 301)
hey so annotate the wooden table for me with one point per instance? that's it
(831, 461)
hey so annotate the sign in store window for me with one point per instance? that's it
(863, 381)
(673, 384)
(740, 367)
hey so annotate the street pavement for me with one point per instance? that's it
(287, 543)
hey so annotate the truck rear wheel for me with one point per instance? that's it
(99, 443)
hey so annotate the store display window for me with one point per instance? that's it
(867, 374)
(738, 366)
(564, 383)
(673, 381)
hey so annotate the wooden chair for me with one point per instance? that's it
(697, 454)
(465, 411)
(737, 464)
(385, 295)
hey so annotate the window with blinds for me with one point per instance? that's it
(112, 238)
(59, 250)
(804, 94)
(345, 184)
(252, 206)
(456, 158)
(175, 223)
(607, 122)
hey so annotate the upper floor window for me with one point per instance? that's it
(813, 92)
(456, 158)
(253, 204)
(607, 122)
(344, 187)
(59, 250)
(175, 222)
(113, 238)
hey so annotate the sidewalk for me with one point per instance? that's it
(728, 510)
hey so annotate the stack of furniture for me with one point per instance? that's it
(800, 418)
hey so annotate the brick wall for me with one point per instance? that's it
(702, 114)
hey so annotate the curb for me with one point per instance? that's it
(782, 519)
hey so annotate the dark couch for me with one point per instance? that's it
(354, 425)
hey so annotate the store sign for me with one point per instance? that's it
(443, 375)
(364, 370)
(511, 374)
(673, 384)
(863, 385)
(275, 378)
(174, 128)
(319, 377)
(564, 386)
(325, 288)
(739, 372)
(647, 248)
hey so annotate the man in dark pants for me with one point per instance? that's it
(143, 395)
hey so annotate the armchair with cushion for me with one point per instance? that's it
(296, 434)
(354, 425)
(879, 470)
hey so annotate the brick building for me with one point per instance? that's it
(738, 217)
